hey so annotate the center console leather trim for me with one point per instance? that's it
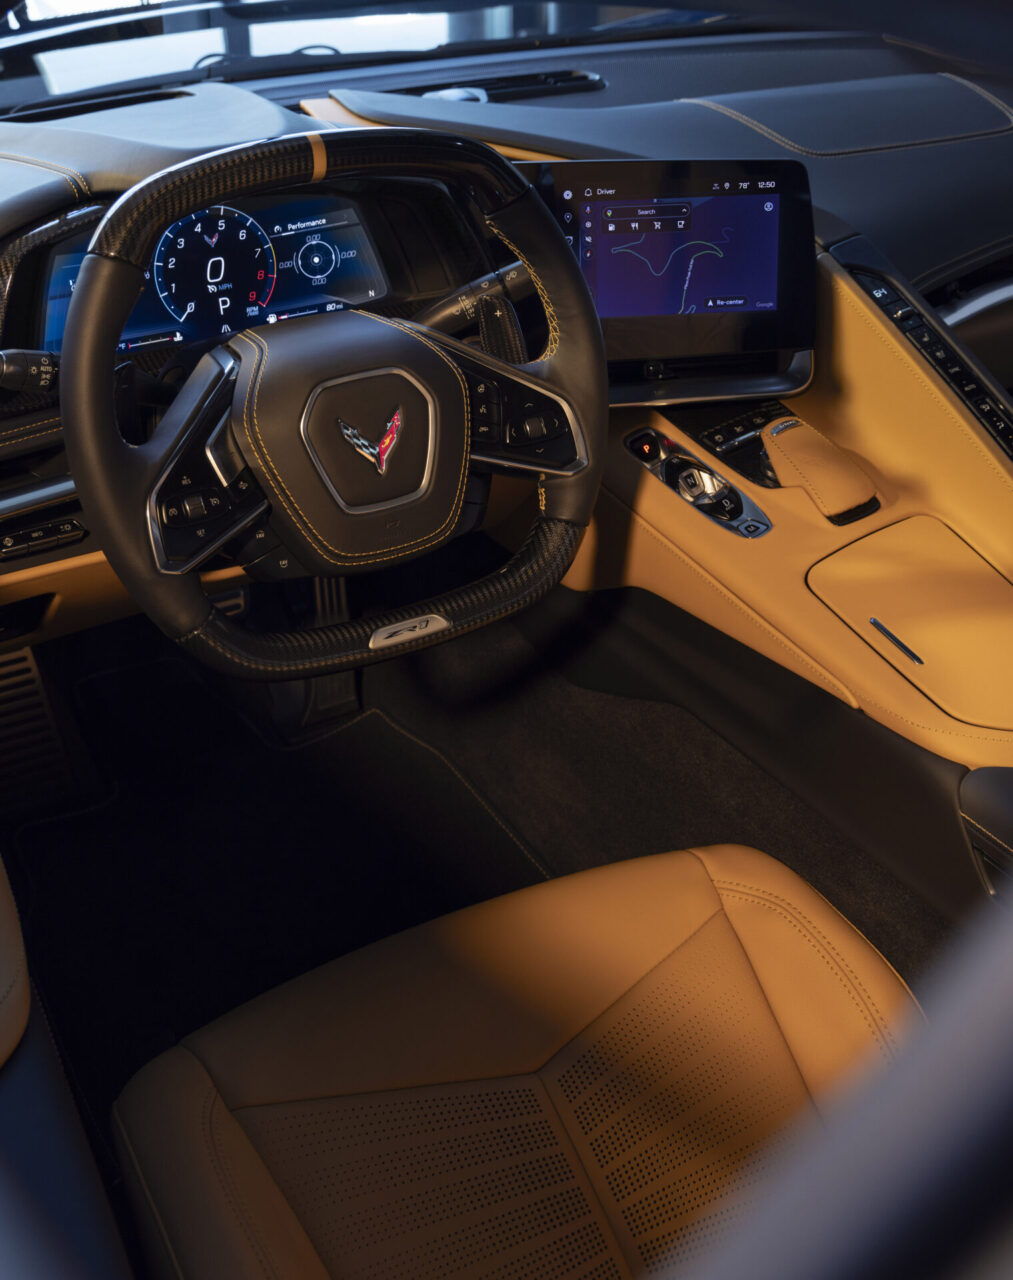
(878, 400)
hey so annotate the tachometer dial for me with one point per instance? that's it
(215, 268)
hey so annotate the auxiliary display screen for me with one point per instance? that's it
(690, 258)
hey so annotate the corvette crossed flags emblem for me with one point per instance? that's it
(379, 452)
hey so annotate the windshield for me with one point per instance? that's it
(56, 48)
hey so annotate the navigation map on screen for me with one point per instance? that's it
(701, 255)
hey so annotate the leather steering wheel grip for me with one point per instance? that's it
(114, 478)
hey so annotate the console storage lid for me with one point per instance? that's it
(932, 608)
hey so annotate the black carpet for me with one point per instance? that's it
(588, 778)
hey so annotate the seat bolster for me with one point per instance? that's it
(837, 1000)
(219, 1213)
(14, 988)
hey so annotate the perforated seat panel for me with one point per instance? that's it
(637, 1139)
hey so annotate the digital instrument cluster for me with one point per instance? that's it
(227, 268)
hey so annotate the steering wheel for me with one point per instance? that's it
(339, 442)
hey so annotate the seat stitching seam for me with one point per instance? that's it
(19, 973)
(884, 1038)
(756, 977)
(227, 1184)
(814, 928)
(163, 1233)
(583, 1166)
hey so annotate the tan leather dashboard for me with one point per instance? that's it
(876, 399)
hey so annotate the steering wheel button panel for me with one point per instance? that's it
(191, 513)
(516, 425)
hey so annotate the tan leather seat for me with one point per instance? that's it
(586, 1078)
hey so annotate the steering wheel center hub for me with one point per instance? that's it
(373, 470)
(373, 439)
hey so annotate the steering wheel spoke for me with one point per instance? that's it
(202, 495)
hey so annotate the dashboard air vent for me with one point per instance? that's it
(531, 84)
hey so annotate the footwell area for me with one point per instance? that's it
(218, 865)
(588, 777)
(213, 863)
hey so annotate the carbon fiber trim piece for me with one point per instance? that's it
(536, 568)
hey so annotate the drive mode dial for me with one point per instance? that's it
(216, 269)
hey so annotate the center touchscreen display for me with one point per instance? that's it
(688, 258)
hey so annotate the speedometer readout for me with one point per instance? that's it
(216, 268)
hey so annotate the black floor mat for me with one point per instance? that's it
(221, 866)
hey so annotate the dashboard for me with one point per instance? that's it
(222, 269)
(726, 317)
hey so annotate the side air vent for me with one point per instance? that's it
(540, 84)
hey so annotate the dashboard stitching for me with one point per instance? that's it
(79, 187)
(307, 526)
(984, 93)
(773, 136)
(552, 345)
